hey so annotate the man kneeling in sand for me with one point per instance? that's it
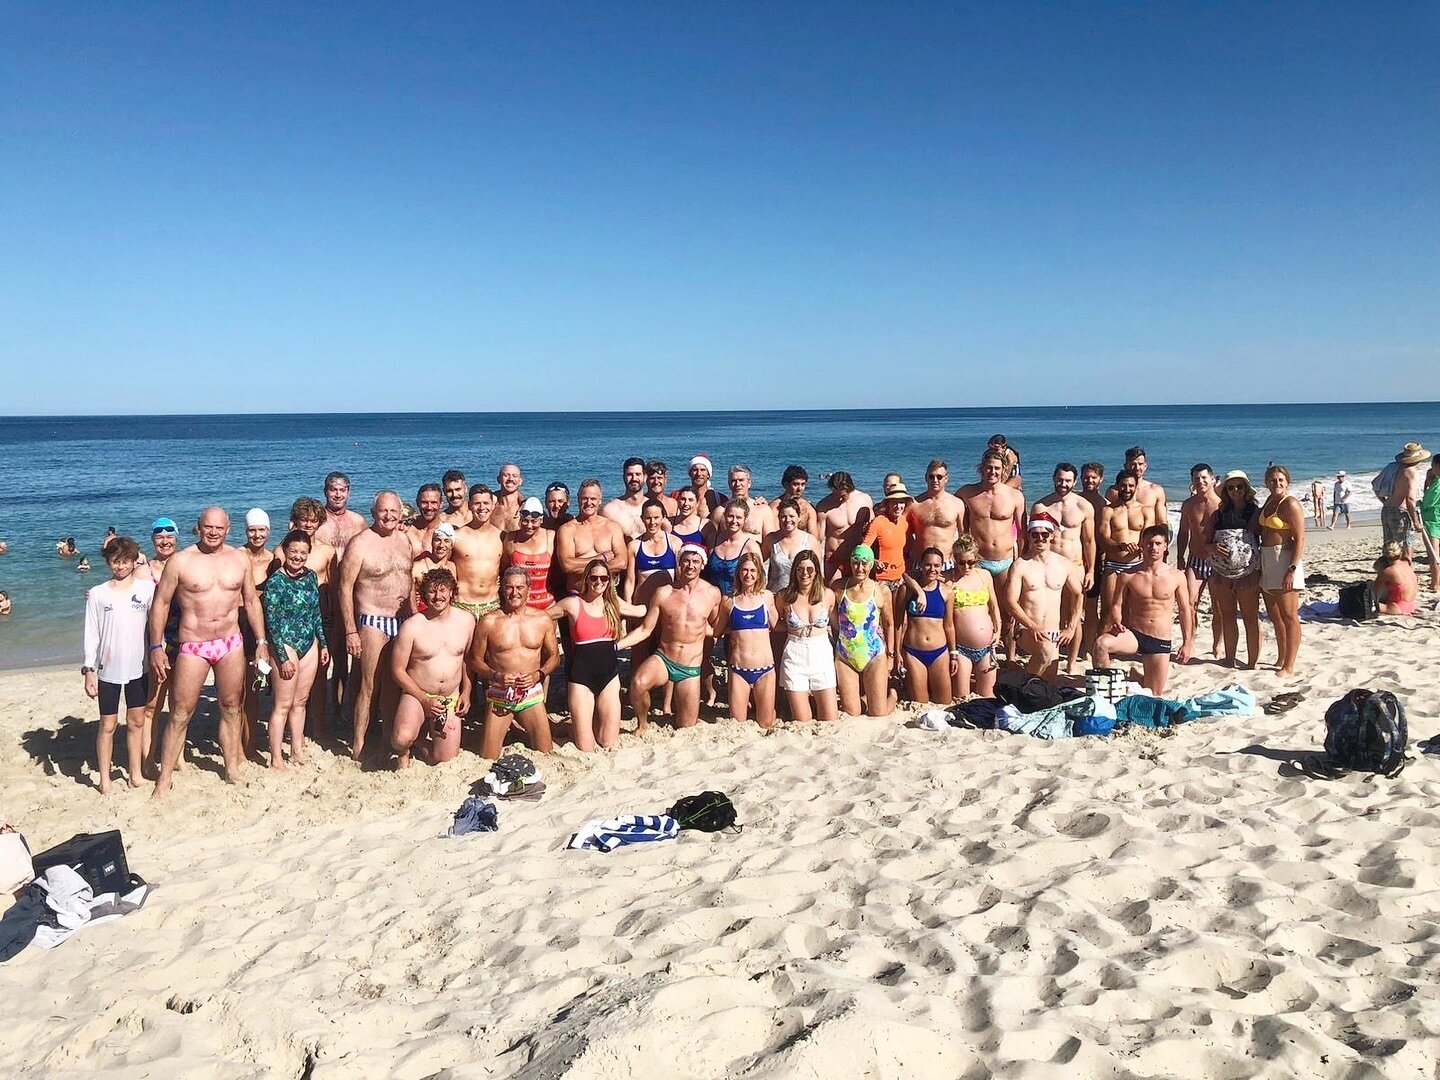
(1142, 614)
(513, 650)
(1037, 584)
(685, 613)
(427, 662)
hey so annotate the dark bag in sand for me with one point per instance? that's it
(1358, 602)
(99, 858)
(1030, 693)
(710, 811)
(1366, 730)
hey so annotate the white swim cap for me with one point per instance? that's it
(257, 519)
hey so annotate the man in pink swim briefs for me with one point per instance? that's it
(210, 581)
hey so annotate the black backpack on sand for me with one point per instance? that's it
(710, 811)
(1358, 602)
(1030, 693)
(1366, 730)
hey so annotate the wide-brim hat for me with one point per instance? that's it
(1413, 454)
(896, 491)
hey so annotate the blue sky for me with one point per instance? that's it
(627, 206)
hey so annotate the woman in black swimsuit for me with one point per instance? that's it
(591, 666)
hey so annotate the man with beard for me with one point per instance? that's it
(1075, 539)
(625, 511)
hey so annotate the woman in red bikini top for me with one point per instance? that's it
(532, 548)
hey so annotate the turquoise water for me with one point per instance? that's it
(73, 476)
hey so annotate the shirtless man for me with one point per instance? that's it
(1120, 527)
(307, 514)
(211, 581)
(844, 516)
(937, 518)
(435, 557)
(1195, 515)
(657, 475)
(1400, 514)
(1317, 506)
(262, 562)
(428, 666)
(341, 523)
(589, 536)
(793, 483)
(1075, 540)
(685, 612)
(625, 511)
(429, 501)
(457, 498)
(373, 591)
(1037, 590)
(1011, 470)
(1092, 479)
(508, 498)
(700, 473)
(557, 506)
(995, 512)
(1147, 493)
(760, 522)
(513, 652)
(1142, 613)
(476, 555)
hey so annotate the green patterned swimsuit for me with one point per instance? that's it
(292, 613)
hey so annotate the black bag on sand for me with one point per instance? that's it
(710, 811)
(99, 858)
(1358, 601)
(1030, 693)
(1367, 731)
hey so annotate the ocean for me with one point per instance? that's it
(73, 476)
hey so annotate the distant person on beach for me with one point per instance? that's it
(1400, 516)
(476, 553)
(1282, 564)
(210, 581)
(508, 497)
(532, 548)
(341, 523)
(4, 602)
(1143, 612)
(976, 621)
(1075, 540)
(1190, 555)
(780, 547)
(297, 638)
(996, 514)
(66, 546)
(1340, 502)
(589, 536)
(657, 478)
(116, 613)
(1036, 593)
(625, 510)
(845, 514)
(1317, 502)
(372, 593)
(927, 635)
(1396, 586)
(164, 538)
(1430, 519)
(513, 651)
(937, 517)
(1231, 545)
(685, 614)
(428, 666)
(794, 482)
(457, 498)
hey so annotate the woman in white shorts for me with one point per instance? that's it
(807, 664)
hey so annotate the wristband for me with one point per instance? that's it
(157, 645)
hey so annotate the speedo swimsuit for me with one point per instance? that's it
(752, 675)
(1150, 645)
(512, 699)
(925, 656)
(477, 608)
(214, 650)
(388, 625)
(997, 566)
(677, 672)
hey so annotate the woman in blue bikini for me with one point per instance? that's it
(926, 632)
(747, 616)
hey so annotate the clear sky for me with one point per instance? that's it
(240, 207)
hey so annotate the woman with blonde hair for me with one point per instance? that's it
(1282, 566)
(975, 618)
(747, 615)
(591, 666)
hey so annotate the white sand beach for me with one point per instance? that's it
(899, 902)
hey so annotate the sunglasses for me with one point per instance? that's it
(598, 577)
(163, 532)
(968, 562)
(1038, 535)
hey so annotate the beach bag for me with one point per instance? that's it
(975, 713)
(1384, 481)
(1093, 716)
(99, 858)
(710, 811)
(1237, 554)
(1358, 601)
(1367, 731)
(16, 868)
(1030, 693)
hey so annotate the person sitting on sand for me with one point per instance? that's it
(512, 652)
(427, 663)
(1142, 613)
(116, 612)
(1396, 585)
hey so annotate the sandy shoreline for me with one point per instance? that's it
(946, 904)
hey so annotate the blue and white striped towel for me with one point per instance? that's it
(607, 834)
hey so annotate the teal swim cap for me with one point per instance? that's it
(863, 553)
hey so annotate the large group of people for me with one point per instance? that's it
(462, 607)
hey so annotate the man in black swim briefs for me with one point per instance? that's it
(1142, 613)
